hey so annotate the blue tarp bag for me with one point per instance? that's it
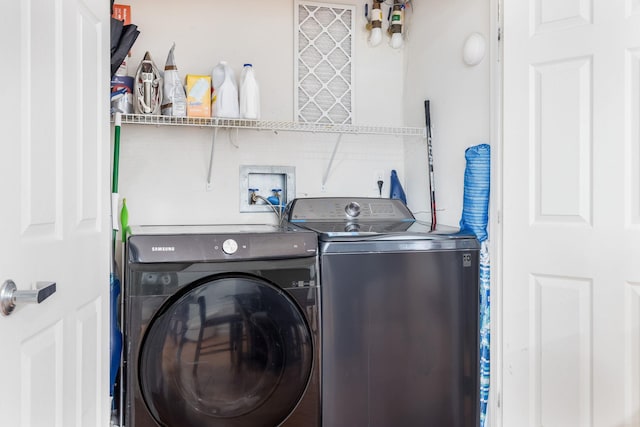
(477, 174)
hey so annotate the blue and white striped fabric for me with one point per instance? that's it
(477, 175)
(475, 216)
(485, 329)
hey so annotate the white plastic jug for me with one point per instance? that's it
(225, 92)
(249, 94)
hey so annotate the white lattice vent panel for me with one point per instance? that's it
(324, 69)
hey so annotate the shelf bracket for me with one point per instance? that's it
(331, 159)
(210, 172)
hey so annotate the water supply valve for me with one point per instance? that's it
(253, 196)
(275, 198)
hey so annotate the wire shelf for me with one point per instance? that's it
(269, 125)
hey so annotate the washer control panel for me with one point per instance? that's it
(220, 247)
(336, 209)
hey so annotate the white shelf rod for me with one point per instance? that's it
(143, 119)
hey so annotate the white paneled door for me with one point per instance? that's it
(571, 213)
(54, 221)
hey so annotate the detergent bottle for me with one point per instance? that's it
(225, 92)
(249, 94)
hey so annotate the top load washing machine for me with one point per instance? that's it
(221, 327)
(399, 315)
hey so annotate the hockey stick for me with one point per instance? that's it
(432, 189)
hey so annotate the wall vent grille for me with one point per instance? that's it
(324, 67)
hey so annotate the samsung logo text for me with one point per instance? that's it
(163, 249)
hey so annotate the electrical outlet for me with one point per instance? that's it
(379, 175)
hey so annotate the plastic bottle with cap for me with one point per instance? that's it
(225, 92)
(249, 94)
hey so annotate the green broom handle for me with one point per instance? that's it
(116, 162)
(116, 152)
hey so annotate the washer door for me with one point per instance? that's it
(227, 351)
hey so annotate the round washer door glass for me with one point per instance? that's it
(231, 351)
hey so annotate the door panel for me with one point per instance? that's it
(40, 141)
(561, 330)
(553, 15)
(632, 136)
(89, 383)
(41, 357)
(55, 225)
(89, 161)
(571, 204)
(632, 366)
(561, 139)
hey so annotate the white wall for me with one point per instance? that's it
(163, 169)
(459, 97)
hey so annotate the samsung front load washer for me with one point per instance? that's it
(399, 315)
(221, 327)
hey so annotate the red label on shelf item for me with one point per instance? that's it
(122, 12)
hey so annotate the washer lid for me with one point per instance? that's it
(229, 351)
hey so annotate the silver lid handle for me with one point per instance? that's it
(10, 296)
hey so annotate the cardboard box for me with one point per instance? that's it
(198, 95)
(122, 12)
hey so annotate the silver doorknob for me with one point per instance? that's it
(10, 296)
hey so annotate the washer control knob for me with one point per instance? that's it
(229, 246)
(352, 209)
